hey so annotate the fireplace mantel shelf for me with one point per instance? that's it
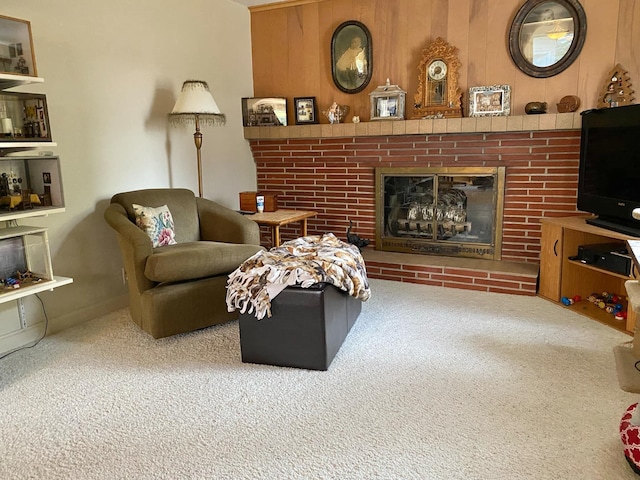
(515, 123)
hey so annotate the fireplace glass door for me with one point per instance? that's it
(440, 211)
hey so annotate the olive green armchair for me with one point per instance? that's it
(180, 287)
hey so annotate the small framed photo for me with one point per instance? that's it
(492, 101)
(16, 47)
(46, 177)
(306, 110)
(264, 112)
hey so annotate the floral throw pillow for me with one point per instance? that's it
(157, 223)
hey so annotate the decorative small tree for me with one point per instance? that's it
(616, 90)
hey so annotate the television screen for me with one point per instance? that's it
(609, 182)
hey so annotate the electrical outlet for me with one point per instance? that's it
(124, 277)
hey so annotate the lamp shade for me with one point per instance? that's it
(195, 99)
(196, 105)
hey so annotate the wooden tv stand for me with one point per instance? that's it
(562, 277)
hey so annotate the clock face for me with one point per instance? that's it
(437, 70)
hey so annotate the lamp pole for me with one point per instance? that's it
(197, 138)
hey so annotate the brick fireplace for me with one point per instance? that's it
(336, 178)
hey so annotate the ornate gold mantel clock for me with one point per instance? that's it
(438, 93)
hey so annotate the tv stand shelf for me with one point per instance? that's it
(562, 277)
(591, 267)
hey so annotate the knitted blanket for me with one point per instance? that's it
(303, 261)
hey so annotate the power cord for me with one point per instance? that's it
(36, 342)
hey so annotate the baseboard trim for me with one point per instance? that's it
(77, 317)
(20, 339)
(28, 337)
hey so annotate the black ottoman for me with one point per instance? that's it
(306, 329)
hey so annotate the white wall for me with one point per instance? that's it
(112, 72)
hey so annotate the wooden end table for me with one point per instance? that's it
(282, 217)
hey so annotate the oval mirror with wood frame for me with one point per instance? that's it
(547, 36)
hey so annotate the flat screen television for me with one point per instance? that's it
(609, 180)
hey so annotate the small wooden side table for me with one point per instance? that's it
(282, 217)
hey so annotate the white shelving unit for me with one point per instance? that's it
(10, 80)
(45, 285)
(21, 246)
(9, 147)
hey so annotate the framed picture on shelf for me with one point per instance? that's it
(16, 47)
(264, 112)
(491, 101)
(306, 110)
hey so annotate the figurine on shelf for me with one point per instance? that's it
(568, 103)
(336, 113)
(616, 90)
(12, 282)
(535, 108)
(28, 276)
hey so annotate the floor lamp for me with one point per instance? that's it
(195, 105)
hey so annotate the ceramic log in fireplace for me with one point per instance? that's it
(452, 211)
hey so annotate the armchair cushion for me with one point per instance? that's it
(194, 260)
(157, 223)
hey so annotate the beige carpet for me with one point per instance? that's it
(431, 383)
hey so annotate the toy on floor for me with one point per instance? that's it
(622, 315)
(571, 300)
(610, 303)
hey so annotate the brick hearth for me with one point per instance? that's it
(453, 272)
(335, 177)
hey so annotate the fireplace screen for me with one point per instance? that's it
(453, 211)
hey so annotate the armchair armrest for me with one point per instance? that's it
(221, 224)
(135, 245)
(116, 217)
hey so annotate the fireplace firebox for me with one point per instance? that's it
(451, 211)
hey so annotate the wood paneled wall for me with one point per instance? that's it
(291, 48)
